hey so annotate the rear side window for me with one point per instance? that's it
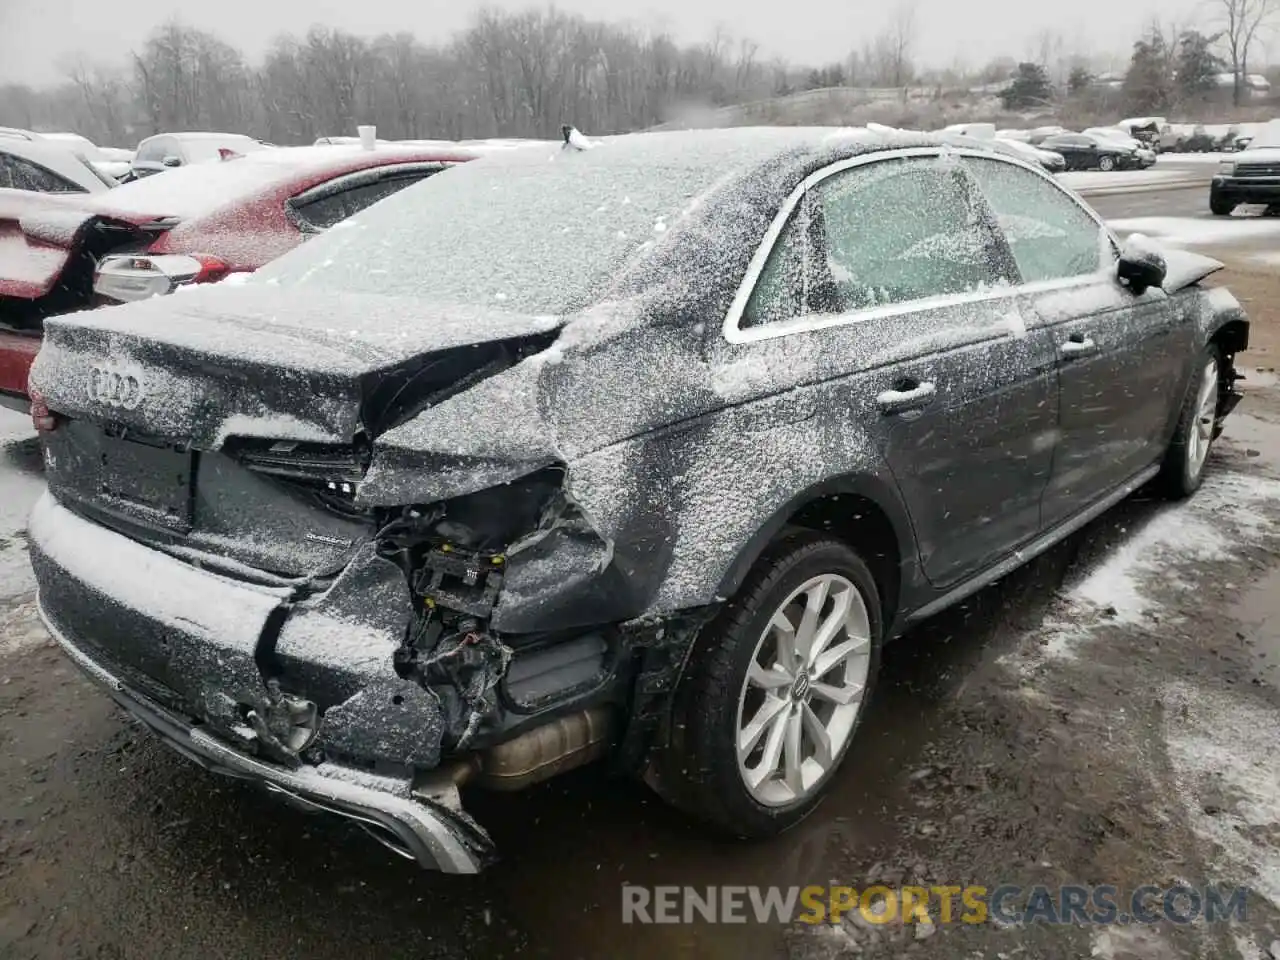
(154, 151)
(883, 234)
(20, 174)
(1051, 236)
(321, 209)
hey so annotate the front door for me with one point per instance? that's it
(1119, 356)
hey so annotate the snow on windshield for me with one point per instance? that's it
(534, 230)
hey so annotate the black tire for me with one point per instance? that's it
(1179, 476)
(698, 770)
(1220, 206)
(1106, 164)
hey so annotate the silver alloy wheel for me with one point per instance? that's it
(1200, 433)
(803, 691)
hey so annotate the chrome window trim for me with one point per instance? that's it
(732, 330)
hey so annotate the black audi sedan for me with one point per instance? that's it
(637, 449)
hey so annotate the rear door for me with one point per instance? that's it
(907, 298)
(1120, 357)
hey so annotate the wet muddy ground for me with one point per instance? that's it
(1108, 714)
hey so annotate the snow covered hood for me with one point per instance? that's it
(1257, 155)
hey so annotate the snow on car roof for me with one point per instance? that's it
(197, 190)
(542, 228)
(199, 135)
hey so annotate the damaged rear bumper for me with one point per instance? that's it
(416, 827)
(185, 650)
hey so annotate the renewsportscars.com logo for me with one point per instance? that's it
(1007, 904)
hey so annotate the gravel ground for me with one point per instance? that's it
(1108, 714)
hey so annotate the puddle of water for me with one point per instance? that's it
(1258, 613)
(1259, 379)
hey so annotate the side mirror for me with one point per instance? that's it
(1141, 265)
(172, 161)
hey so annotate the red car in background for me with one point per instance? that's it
(194, 224)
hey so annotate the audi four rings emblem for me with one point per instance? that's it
(115, 388)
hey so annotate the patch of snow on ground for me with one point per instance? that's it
(1268, 258)
(1209, 159)
(1088, 179)
(21, 484)
(1192, 231)
(1124, 943)
(1225, 513)
(1222, 748)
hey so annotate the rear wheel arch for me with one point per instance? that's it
(863, 511)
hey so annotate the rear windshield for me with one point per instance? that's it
(542, 236)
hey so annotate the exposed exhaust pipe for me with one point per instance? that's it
(543, 752)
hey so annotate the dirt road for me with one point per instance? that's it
(1109, 714)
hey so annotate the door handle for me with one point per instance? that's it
(1078, 346)
(913, 396)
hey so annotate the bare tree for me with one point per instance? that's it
(1242, 21)
(886, 60)
(901, 42)
(507, 74)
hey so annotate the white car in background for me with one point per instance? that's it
(112, 161)
(43, 167)
(165, 151)
(107, 160)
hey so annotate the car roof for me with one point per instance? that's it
(202, 189)
(189, 135)
(732, 148)
(56, 157)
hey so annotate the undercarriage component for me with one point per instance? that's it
(539, 676)
(473, 664)
(548, 750)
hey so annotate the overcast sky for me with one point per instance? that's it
(36, 36)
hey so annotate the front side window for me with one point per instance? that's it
(886, 233)
(1051, 236)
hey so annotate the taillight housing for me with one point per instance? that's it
(125, 277)
(42, 418)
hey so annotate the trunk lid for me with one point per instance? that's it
(234, 425)
(257, 361)
(49, 244)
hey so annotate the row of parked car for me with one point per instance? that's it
(1058, 149)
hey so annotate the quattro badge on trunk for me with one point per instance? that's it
(113, 387)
